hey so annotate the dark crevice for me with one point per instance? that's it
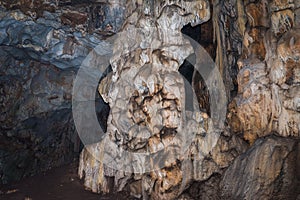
(102, 108)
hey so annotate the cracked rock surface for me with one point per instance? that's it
(160, 144)
(40, 55)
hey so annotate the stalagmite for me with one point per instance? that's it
(146, 95)
(180, 123)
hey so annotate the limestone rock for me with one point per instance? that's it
(282, 21)
(278, 5)
(73, 18)
(268, 170)
(39, 59)
(147, 100)
(263, 104)
(255, 44)
(257, 15)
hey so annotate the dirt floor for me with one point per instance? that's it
(60, 183)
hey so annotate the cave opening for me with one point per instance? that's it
(202, 34)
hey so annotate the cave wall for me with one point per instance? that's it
(42, 45)
(255, 46)
(265, 110)
(256, 154)
(268, 79)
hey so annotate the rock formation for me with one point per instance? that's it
(267, 103)
(148, 116)
(162, 140)
(40, 56)
(269, 171)
(148, 127)
(268, 82)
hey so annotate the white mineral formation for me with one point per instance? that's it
(153, 147)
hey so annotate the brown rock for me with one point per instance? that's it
(268, 170)
(282, 21)
(254, 44)
(297, 18)
(74, 18)
(34, 8)
(289, 46)
(257, 14)
(277, 5)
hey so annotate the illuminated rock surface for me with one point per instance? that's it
(256, 46)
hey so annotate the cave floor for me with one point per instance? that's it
(59, 183)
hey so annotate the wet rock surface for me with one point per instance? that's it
(147, 98)
(267, 170)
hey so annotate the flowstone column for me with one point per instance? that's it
(268, 99)
(152, 143)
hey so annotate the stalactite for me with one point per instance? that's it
(156, 118)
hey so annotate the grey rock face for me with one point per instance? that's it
(43, 43)
(270, 169)
(36, 129)
(39, 59)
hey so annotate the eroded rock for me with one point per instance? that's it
(268, 170)
(147, 100)
(263, 105)
(39, 59)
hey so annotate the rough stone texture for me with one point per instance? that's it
(268, 85)
(207, 190)
(146, 95)
(266, 104)
(268, 170)
(229, 24)
(258, 61)
(255, 45)
(39, 59)
(91, 15)
(62, 46)
(37, 131)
